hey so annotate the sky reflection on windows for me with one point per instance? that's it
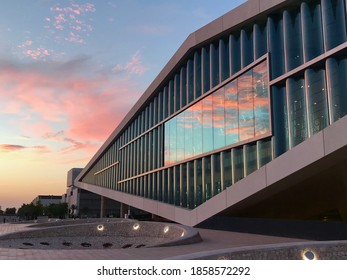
(237, 112)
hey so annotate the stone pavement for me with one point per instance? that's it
(212, 240)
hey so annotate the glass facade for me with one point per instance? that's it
(236, 112)
(231, 105)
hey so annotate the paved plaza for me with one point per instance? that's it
(212, 240)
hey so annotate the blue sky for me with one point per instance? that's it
(70, 71)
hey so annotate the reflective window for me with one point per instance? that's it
(227, 171)
(225, 60)
(190, 80)
(297, 110)
(293, 48)
(191, 198)
(261, 99)
(214, 48)
(197, 74)
(207, 179)
(237, 165)
(246, 106)
(206, 69)
(236, 112)
(184, 191)
(183, 86)
(218, 119)
(207, 133)
(231, 113)
(334, 20)
(235, 53)
(317, 96)
(312, 29)
(197, 128)
(198, 182)
(260, 39)
(337, 81)
(217, 178)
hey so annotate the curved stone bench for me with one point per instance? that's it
(314, 250)
(102, 234)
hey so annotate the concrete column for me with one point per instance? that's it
(124, 208)
(103, 206)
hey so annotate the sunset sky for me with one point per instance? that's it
(70, 71)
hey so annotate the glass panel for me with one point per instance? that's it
(177, 186)
(180, 136)
(235, 53)
(214, 49)
(173, 140)
(334, 22)
(275, 31)
(237, 164)
(231, 113)
(198, 182)
(190, 80)
(280, 120)
(197, 128)
(188, 133)
(251, 158)
(184, 185)
(197, 76)
(155, 149)
(207, 179)
(171, 98)
(217, 178)
(166, 103)
(317, 99)
(171, 176)
(177, 92)
(260, 39)
(218, 119)
(237, 112)
(337, 81)
(206, 69)
(150, 186)
(191, 192)
(293, 48)
(145, 186)
(155, 186)
(246, 113)
(312, 30)
(160, 185)
(207, 124)
(227, 171)
(183, 86)
(165, 186)
(247, 55)
(261, 99)
(167, 156)
(297, 110)
(224, 58)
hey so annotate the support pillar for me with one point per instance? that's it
(103, 206)
(124, 208)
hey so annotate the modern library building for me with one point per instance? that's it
(247, 119)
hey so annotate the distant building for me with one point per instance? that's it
(83, 203)
(46, 200)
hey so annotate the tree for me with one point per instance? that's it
(10, 211)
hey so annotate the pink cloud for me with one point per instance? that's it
(88, 109)
(72, 19)
(134, 66)
(13, 148)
